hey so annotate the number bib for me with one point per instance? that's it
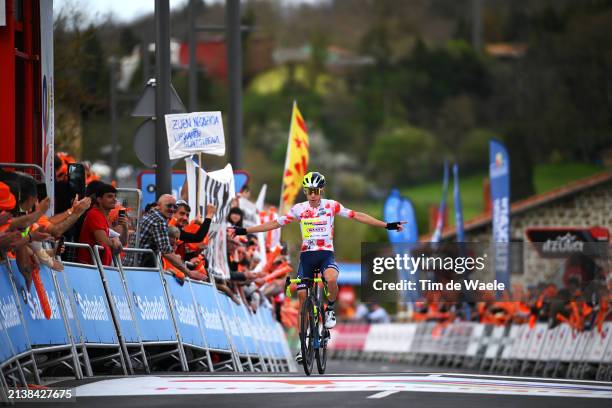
(315, 228)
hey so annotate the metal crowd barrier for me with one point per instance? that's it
(516, 349)
(122, 320)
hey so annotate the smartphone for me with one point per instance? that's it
(122, 213)
(41, 190)
(76, 179)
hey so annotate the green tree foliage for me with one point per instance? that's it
(404, 154)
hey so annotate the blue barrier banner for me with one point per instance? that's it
(246, 325)
(277, 341)
(227, 309)
(120, 299)
(11, 320)
(209, 315)
(92, 308)
(6, 353)
(42, 332)
(74, 329)
(268, 329)
(150, 305)
(184, 312)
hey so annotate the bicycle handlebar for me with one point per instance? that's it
(289, 281)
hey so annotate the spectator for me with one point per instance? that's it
(96, 229)
(90, 192)
(193, 232)
(235, 217)
(7, 203)
(154, 233)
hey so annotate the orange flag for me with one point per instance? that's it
(296, 163)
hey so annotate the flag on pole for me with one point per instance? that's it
(442, 209)
(458, 207)
(499, 174)
(296, 162)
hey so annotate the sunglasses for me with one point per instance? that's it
(172, 207)
(309, 191)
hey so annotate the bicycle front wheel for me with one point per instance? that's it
(307, 334)
(321, 351)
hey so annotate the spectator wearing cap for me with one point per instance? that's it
(154, 233)
(7, 203)
(96, 230)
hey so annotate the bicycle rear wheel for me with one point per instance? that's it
(321, 351)
(307, 334)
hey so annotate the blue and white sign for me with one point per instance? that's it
(10, 316)
(92, 308)
(121, 300)
(499, 174)
(42, 332)
(196, 132)
(150, 305)
(210, 315)
(184, 312)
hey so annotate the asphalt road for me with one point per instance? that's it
(352, 384)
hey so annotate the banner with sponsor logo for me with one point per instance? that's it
(217, 188)
(561, 242)
(499, 175)
(196, 132)
(9, 314)
(149, 305)
(87, 291)
(47, 98)
(210, 315)
(121, 300)
(184, 312)
(442, 208)
(41, 330)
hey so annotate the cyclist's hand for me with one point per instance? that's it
(398, 226)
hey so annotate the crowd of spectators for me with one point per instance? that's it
(91, 214)
(255, 275)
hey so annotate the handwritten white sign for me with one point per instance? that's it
(196, 132)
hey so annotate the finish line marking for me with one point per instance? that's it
(379, 384)
(383, 394)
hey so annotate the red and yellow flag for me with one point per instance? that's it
(296, 163)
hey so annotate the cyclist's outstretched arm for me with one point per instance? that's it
(266, 226)
(369, 220)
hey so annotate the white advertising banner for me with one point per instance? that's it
(196, 132)
(47, 95)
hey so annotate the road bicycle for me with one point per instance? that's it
(313, 333)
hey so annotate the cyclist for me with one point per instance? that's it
(316, 217)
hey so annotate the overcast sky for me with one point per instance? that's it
(127, 10)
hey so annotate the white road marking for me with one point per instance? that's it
(236, 384)
(383, 394)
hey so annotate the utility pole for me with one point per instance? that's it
(193, 67)
(234, 63)
(163, 169)
(113, 116)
